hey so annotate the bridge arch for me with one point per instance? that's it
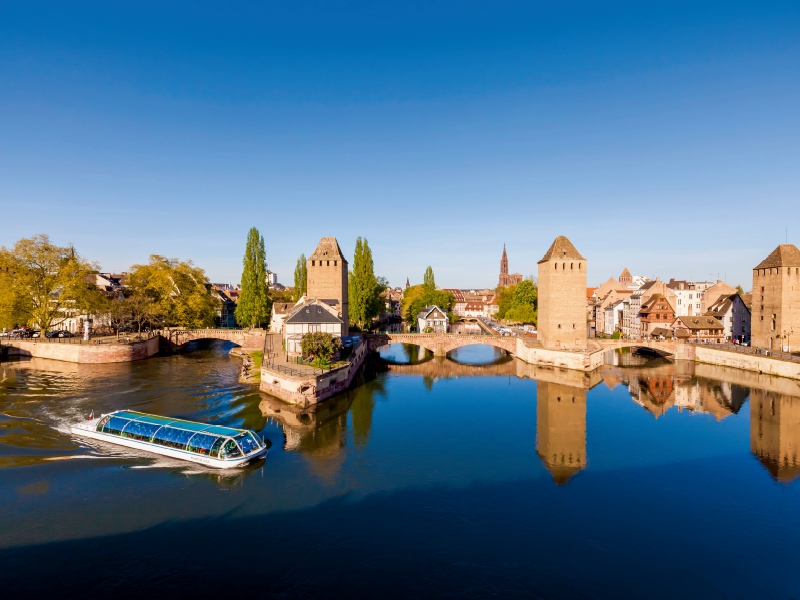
(442, 343)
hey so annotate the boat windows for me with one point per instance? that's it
(230, 450)
(140, 431)
(247, 442)
(102, 423)
(201, 443)
(172, 438)
(115, 425)
(217, 445)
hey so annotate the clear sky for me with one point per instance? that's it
(661, 136)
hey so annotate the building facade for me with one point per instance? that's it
(432, 320)
(734, 315)
(776, 299)
(562, 297)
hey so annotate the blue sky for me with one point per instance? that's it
(661, 136)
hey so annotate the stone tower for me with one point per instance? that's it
(561, 429)
(626, 278)
(562, 297)
(327, 276)
(503, 281)
(775, 320)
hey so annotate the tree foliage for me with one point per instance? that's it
(253, 307)
(43, 285)
(518, 302)
(300, 277)
(365, 302)
(320, 345)
(417, 297)
(179, 291)
(428, 281)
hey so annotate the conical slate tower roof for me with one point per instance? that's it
(328, 248)
(785, 255)
(562, 248)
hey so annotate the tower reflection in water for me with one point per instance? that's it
(775, 432)
(561, 429)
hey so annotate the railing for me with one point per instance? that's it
(766, 352)
(76, 339)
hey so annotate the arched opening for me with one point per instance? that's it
(404, 354)
(478, 355)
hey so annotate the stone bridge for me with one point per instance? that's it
(668, 348)
(248, 339)
(442, 343)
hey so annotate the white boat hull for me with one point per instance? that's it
(87, 430)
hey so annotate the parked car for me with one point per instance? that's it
(35, 334)
(65, 334)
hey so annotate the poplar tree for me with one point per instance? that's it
(428, 282)
(253, 307)
(301, 277)
(365, 289)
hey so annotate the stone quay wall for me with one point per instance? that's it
(748, 362)
(304, 391)
(86, 352)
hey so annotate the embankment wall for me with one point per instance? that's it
(84, 353)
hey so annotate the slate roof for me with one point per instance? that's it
(785, 255)
(313, 313)
(562, 248)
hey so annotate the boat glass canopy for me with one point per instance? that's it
(216, 441)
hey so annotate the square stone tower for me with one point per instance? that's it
(562, 297)
(327, 276)
(775, 317)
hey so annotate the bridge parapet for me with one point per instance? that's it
(441, 343)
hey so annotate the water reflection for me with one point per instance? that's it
(561, 429)
(775, 433)
(478, 354)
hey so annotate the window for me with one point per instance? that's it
(555, 266)
(559, 325)
(563, 266)
(335, 263)
(571, 265)
(328, 263)
(313, 263)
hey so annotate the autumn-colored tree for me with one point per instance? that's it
(42, 285)
(179, 291)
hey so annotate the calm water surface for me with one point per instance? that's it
(471, 476)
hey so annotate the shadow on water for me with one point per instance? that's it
(445, 542)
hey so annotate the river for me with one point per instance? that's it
(435, 478)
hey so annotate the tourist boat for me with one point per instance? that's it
(212, 445)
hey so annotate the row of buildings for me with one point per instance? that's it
(713, 312)
(639, 308)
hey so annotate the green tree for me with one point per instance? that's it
(526, 292)
(43, 285)
(320, 346)
(300, 277)
(417, 297)
(179, 291)
(740, 290)
(365, 302)
(253, 307)
(428, 281)
(524, 313)
(505, 300)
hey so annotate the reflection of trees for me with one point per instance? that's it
(319, 433)
(561, 429)
(775, 433)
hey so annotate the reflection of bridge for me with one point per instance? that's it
(440, 367)
(442, 343)
(249, 339)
